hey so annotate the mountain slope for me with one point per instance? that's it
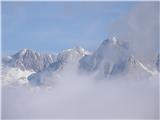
(12, 76)
(47, 76)
(112, 58)
(27, 59)
(70, 55)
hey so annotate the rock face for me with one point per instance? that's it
(66, 56)
(29, 60)
(111, 58)
(63, 58)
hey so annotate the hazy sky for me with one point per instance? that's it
(54, 26)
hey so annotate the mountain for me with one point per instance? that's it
(111, 59)
(12, 76)
(69, 56)
(27, 59)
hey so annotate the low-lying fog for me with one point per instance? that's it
(78, 96)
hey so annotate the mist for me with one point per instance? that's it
(70, 94)
(79, 96)
(140, 28)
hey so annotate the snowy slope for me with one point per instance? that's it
(111, 59)
(27, 59)
(16, 68)
(11, 76)
(51, 73)
(70, 55)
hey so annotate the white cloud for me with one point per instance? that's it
(77, 96)
(141, 29)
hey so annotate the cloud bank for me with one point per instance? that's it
(77, 96)
(140, 27)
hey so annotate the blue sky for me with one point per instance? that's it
(50, 27)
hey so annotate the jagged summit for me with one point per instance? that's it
(113, 50)
(72, 54)
(27, 59)
(23, 52)
(110, 58)
(68, 56)
(113, 41)
(113, 57)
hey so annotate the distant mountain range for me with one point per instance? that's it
(27, 59)
(112, 59)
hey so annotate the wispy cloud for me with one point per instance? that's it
(140, 27)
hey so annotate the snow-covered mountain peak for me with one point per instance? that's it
(112, 41)
(81, 50)
(24, 50)
(63, 59)
(72, 54)
(75, 49)
(24, 53)
(112, 58)
(27, 59)
(113, 51)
